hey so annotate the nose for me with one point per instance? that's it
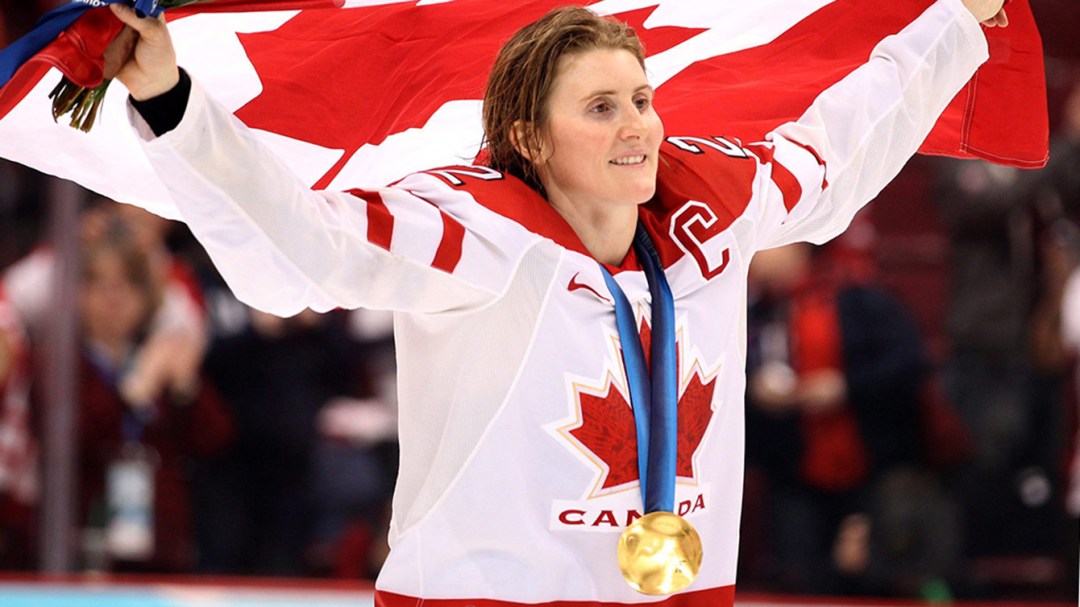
(632, 123)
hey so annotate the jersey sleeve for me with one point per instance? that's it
(817, 172)
(283, 247)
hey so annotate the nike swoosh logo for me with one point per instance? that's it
(575, 285)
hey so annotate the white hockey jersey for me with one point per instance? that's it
(518, 462)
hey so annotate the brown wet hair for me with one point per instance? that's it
(524, 73)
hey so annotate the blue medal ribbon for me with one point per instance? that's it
(654, 393)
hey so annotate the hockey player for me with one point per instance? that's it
(545, 457)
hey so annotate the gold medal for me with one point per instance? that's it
(660, 553)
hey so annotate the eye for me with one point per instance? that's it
(642, 103)
(600, 107)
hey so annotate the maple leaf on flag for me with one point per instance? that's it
(659, 38)
(404, 63)
(359, 93)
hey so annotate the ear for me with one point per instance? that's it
(522, 137)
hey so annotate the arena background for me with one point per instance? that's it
(902, 235)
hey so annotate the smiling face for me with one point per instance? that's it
(600, 142)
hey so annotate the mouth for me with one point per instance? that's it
(629, 160)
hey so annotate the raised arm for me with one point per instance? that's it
(282, 247)
(858, 134)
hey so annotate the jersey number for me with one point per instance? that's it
(694, 145)
(476, 172)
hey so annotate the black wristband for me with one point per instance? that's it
(164, 112)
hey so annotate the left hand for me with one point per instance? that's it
(990, 13)
(998, 20)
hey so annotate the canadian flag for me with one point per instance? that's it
(358, 93)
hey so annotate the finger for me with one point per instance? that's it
(127, 15)
(998, 20)
(119, 51)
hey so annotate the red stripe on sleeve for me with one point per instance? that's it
(818, 158)
(449, 253)
(783, 178)
(380, 231)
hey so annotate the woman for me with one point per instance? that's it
(519, 465)
(135, 447)
(18, 445)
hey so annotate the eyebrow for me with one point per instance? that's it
(610, 92)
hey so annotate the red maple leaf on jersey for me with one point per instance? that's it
(607, 426)
(695, 412)
(404, 62)
(607, 431)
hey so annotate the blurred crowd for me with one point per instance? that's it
(880, 467)
(212, 438)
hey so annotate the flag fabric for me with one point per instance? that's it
(358, 93)
(50, 27)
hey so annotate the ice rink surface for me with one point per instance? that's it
(272, 593)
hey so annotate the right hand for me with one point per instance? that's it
(990, 13)
(144, 54)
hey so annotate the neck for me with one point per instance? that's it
(115, 351)
(607, 233)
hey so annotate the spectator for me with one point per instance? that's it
(1065, 251)
(1070, 328)
(137, 434)
(356, 460)
(834, 375)
(279, 501)
(18, 448)
(28, 282)
(1002, 375)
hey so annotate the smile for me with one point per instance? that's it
(628, 160)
